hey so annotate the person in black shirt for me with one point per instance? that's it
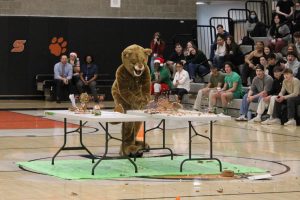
(285, 8)
(298, 74)
(88, 76)
(176, 56)
(272, 63)
(296, 17)
(269, 100)
(197, 63)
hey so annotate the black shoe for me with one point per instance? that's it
(136, 155)
(58, 101)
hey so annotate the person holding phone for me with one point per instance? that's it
(157, 46)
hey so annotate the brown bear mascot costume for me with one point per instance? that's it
(131, 91)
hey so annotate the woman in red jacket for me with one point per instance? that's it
(157, 46)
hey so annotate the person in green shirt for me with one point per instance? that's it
(160, 78)
(215, 83)
(232, 88)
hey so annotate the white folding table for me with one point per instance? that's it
(103, 120)
(186, 116)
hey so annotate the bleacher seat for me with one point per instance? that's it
(45, 84)
(264, 39)
(234, 106)
(246, 49)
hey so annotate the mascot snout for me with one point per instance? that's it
(139, 69)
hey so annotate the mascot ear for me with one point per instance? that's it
(127, 53)
(148, 52)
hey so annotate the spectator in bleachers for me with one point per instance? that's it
(251, 22)
(268, 51)
(232, 88)
(289, 96)
(264, 62)
(176, 56)
(188, 47)
(292, 63)
(74, 61)
(222, 32)
(296, 17)
(291, 48)
(279, 35)
(272, 63)
(297, 41)
(254, 27)
(251, 60)
(157, 46)
(233, 53)
(220, 51)
(197, 62)
(260, 87)
(269, 101)
(181, 81)
(285, 9)
(88, 77)
(63, 73)
(215, 83)
(298, 74)
(160, 78)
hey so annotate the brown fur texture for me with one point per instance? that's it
(131, 91)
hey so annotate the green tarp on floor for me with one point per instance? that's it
(122, 168)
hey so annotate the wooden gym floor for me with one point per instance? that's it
(25, 135)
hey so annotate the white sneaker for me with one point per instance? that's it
(291, 122)
(255, 119)
(241, 118)
(274, 121)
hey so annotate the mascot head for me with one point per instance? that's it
(135, 59)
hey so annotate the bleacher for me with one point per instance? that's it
(45, 84)
(233, 107)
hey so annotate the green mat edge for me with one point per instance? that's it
(133, 175)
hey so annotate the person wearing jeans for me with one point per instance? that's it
(261, 85)
(220, 51)
(197, 63)
(269, 101)
(88, 76)
(289, 96)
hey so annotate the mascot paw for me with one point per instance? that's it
(131, 151)
(141, 145)
(119, 108)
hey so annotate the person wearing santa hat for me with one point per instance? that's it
(160, 78)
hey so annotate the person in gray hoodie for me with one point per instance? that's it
(292, 63)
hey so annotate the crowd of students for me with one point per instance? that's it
(271, 70)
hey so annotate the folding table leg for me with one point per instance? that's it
(64, 148)
(104, 156)
(210, 138)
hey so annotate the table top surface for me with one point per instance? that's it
(106, 116)
(182, 115)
